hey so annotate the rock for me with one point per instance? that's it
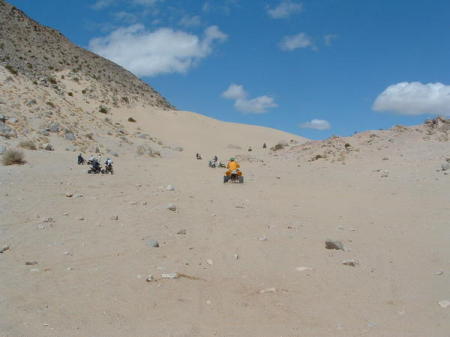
(115, 217)
(69, 195)
(182, 232)
(69, 136)
(268, 290)
(2, 149)
(4, 249)
(6, 131)
(179, 149)
(149, 278)
(48, 147)
(350, 262)
(3, 118)
(439, 273)
(13, 120)
(54, 127)
(172, 207)
(384, 173)
(303, 268)
(331, 244)
(78, 196)
(31, 263)
(210, 262)
(445, 166)
(170, 276)
(153, 243)
(444, 303)
(170, 188)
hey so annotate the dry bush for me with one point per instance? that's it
(28, 144)
(13, 157)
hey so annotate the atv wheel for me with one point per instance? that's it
(241, 179)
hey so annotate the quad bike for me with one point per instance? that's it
(95, 168)
(212, 164)
(108, 169)
(234, 177)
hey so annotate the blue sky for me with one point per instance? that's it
(315, 67)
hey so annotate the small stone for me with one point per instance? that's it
(170, 276)
(182, 232)
(13, 120)
(4, 249)
(262, 238)
(153, 243)
(81, 218)
(268, 290)
(69, 268)
(48, 147)
(133, 203)
(236, 256)
(34, 270)
(172, 207)
(150, 278)
(350, 262)
(69, 195)
(170, 188)
(115, 217)
(78, 196)
(210, 262)
(303, 268)
(444, 303)
(144, 203)
(439, 273)
(31, 263)
(445, 166)
(331, 244)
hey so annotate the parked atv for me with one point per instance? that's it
(235, 177)
(108, 169)
(95, 167)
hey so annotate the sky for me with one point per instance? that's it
(315, 68)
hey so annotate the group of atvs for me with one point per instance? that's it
(234, 176)
(95, 166)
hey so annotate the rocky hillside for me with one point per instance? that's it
(44, 55)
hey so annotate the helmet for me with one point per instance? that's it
(231, 159)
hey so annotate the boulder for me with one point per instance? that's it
(6, 131)
(332, 244)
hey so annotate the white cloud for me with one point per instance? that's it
(190, 21)
(292, 42)
(285, 9)
(102, 4)
(146, 53)
(316, 124)
(415, 98)
(255, 105)
(329, 38)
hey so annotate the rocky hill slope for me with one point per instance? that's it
(43, 55)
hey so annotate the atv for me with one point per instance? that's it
(108, 169)
(234, 177)
(95, 168)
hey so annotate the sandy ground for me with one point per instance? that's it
(254, 254)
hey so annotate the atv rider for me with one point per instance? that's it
(95, 165)
(80, 159)
(233, 165)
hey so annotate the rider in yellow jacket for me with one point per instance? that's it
(233, 165)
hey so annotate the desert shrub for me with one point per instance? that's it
(51, 104)
(125, 99)
(103, 109)
(277, 147)
(52, 80)
(13, 157)
(70, 93)
(28, 144)
(131, 120)
(11, 69)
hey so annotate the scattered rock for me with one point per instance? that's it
(131, 120)
(170, 188)
(268, 290)
(48, 147)
(444, 303)
(182, 232)
(350, 262)
(331, 244)
(170, 276)
(303, 268)
(6, 131)
(69, 195)
(150, 278)
(445, 166)
(31, 263)
(153, 243)
(384, 173)
(70, 136)
(115, 217)
(54, 127)
(172, 207)
(4, 249)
